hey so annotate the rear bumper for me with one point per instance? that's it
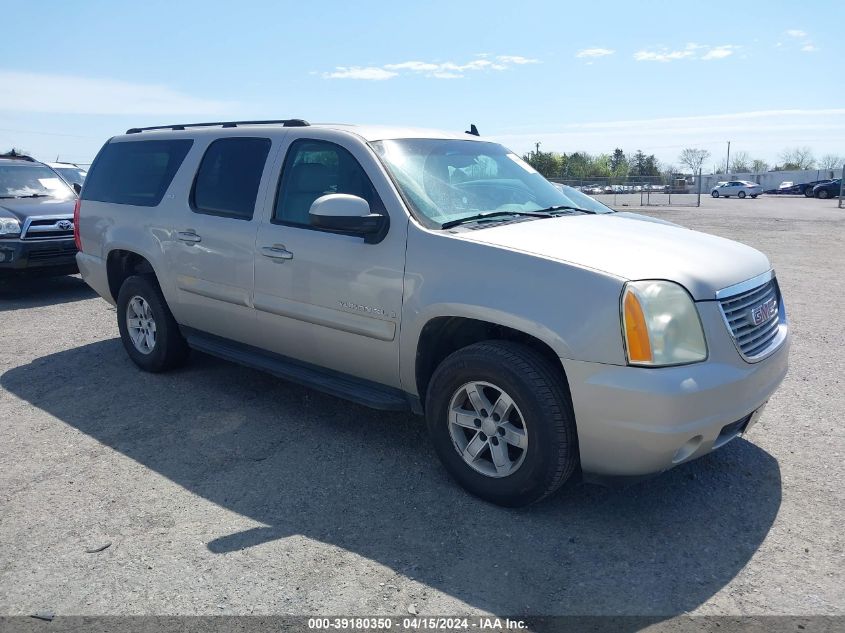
(635, 421)
(95, 273)
(57, 256)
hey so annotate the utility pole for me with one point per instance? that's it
(537, 147)
(728, 161)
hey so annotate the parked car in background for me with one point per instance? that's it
(36, 218)
(437, 273)
(72, 174)
(787, 187)
(829, 189)
(738, 188)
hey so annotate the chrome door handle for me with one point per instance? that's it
(276, 252)
(188, 236)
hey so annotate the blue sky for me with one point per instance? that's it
(575, 76)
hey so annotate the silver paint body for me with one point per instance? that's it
(359, 308)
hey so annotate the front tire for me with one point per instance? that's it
(808, 192)
(500, 418)
(148, 330)
(823, 194)
(715, 194)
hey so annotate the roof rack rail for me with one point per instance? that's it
(182, 126)
(13, 154)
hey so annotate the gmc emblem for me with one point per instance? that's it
(763, 312)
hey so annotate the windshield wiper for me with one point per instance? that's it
(36, 195)
(564, 207)
(494, 214)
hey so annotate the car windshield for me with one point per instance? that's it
(72, 174)
(445, 181)
(582, 200)
(32, 181)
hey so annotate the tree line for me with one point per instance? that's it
(618, 165)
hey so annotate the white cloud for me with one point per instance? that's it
(690, 51)
(68, 94)
(797, 33)
(437, 70)
(372, 73)
(719, 52)
(595, 52)
(809, 48)
(517, 59)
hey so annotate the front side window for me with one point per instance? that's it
(31, 180)
(316, 168)
(228, 177)
(446, 180)
(135, 172)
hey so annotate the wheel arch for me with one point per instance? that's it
(443, 335)
(123, 263)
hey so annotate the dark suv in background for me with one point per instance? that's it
(36, 218)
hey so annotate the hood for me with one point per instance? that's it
(632, 249)
(22, 208)
(644, 218)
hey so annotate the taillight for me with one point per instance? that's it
(76, 238)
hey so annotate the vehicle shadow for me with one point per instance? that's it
(307, 464)
(19, 293)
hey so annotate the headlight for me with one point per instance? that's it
(660, 324)
(9, 227)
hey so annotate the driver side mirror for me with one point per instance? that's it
(349, 214)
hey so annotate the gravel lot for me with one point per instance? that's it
(226, 491)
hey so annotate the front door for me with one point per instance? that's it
(322, 297)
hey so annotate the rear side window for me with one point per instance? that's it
(228, 178)
(135, 172)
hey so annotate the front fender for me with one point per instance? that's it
(573, 310)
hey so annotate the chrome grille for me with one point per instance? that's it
(755, 332)
(47, 227)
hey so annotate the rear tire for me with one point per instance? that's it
(519, 455)
(808, 192)
(753, 195)
(148, 330)
(741, 194)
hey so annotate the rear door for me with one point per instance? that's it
(213, 240)
(328, 298)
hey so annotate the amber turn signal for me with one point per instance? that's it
(636, 332)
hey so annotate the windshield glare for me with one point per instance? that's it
(21, 181)
(446, 180)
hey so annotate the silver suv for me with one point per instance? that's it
(437, 273)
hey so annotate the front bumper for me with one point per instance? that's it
(636, 421)
(42, 255)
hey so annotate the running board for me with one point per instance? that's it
(334, 383)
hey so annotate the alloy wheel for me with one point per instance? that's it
(487, 429)
(141, 324)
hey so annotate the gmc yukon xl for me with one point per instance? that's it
(438, 273)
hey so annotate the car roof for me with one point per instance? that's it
(366, 132)
(64, 165)
(15, 160)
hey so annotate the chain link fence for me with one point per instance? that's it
(640, 191)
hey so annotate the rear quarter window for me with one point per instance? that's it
(135, 172)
